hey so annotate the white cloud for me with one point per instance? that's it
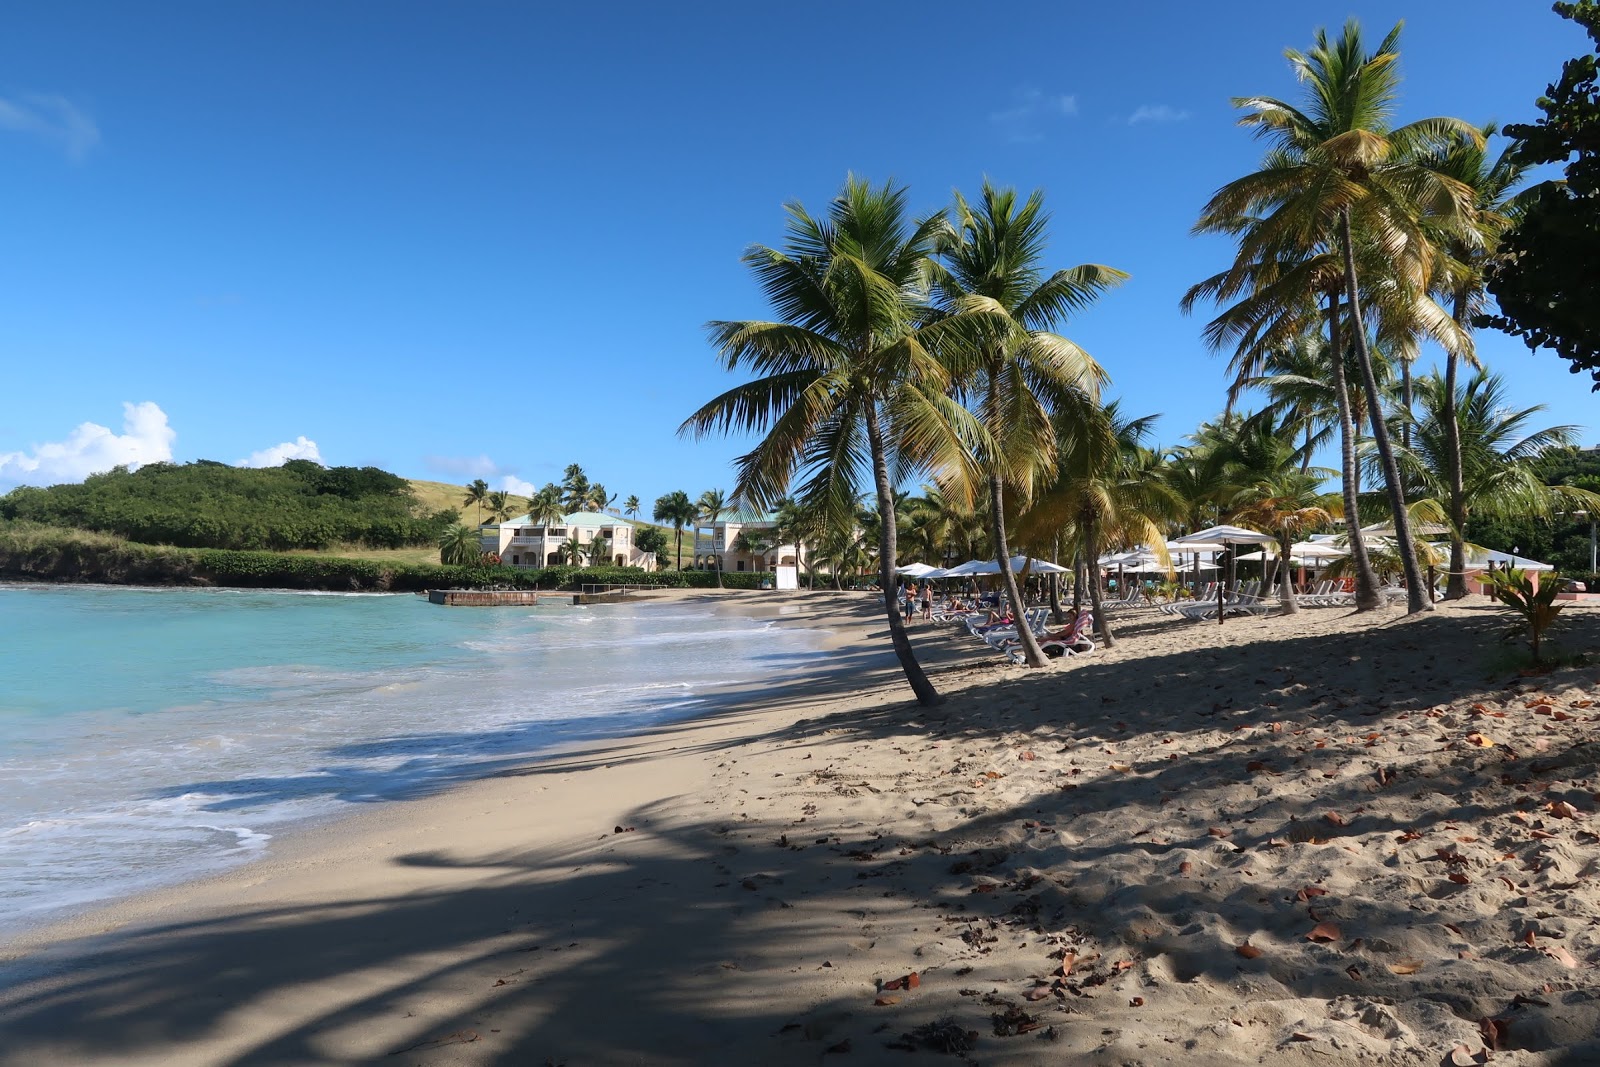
(462, 466)
(92, 448)
(1156, 113)
(1021, 121)
(512, 484)
(53, 118)
(301, 447)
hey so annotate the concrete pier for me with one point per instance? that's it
(483, 598)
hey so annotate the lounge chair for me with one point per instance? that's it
(1074, 642)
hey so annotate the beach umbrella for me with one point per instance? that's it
(1038, 566)
(973, 566)
(1225, 535)
(915, 570)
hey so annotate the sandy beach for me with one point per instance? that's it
(1327, 838)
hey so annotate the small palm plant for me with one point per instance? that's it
(458, 546)
(1536, 607)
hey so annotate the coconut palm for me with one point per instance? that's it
(630, 507)
(574, 488)
(1106, 492)
(598, 499)
(1337, 169)
(572, 551)
(677, 510)
(477, 496)
(1499, 448)
(1276, 495)
(545, 507)
(500, 508)
(459, 546)
(1015, 369)
(1497, 206)
(711, 506)
(849, 386)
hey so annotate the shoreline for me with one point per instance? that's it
(783, 858)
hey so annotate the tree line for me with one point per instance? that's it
(926, 348)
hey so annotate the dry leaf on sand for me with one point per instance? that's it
(1323, 933)
(1248, 951)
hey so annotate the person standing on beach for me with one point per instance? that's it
(927, 600)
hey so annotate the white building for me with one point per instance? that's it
(763, 551)
(606, 539)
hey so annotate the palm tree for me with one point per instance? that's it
(477, 494)
(574, 488)
(572, 551)
(598, 499)
(500, 505)
(848, 380)
(545, 508)
(1497, 207)
(1277, 495)
(630, 507)
(1018, 371)
(678, 510)
(459, 546)
(1498, 452)
(1336, 169)
(1107, 491)
(712, 505)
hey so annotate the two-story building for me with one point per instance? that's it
(745, 544)
(606, 540)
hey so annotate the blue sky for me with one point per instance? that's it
(483, 239)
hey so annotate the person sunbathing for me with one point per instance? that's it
(997, 620)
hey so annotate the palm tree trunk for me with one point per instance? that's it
(678, 529)
(1456, 583)
(1080, 575)
(1055, 582)
(716, 557)
(1405, 399)
(1305, 459)
(1091, 550)
(1286, 597)
(1366, 581)
(1032, 653)
(927, 695)
(1418, 597)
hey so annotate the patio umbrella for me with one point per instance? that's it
(915, 570)
(1225, 535)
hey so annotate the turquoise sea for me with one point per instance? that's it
(151, 735)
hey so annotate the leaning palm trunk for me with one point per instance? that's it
(1032, 653)
(1366, 581)
(1456, 583)
(1091, 550)
(927, 695)
(1055, 583)
(1080, 576)
(1418, 596)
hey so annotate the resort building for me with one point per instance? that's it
(749, 544)
(605, 540)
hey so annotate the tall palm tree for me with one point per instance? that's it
(574, 488)
(630, 507)
(477, 495)
(572, 551)
(1297, 381)
(677, 510)
(1016, 369)
(598, 499)
(1337, 169)
(849, 385)
(1105, 492)
(545, 507)
(712, 505)
(1272, 492)
(459, 546)
(1497, 207)
(500, 508)
(1499, 448)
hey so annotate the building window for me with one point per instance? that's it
(515, 559)
(741, 564)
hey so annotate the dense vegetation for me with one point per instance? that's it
(213, 505)
(30, 552)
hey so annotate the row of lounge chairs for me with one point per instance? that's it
(1073, 640)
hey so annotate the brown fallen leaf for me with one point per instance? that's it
(1217, 831)
(1462, 1056)
(1479, 740)
(1323, 933)
(1335, 818)
(1038, 992)
(1298, 1036)
(1406, 966)
(1185, 867)
(913, 980)
(1561, 956)
(1248, 951)
(1255, 766)
(1067, 960)
(884, 1002)
(1310, 891)
(1354, 972)
(1540, 835)
(1409, 835)
(1123, 965)
(1528, 938)
(1458, 878)
(1122, 767)
(1136, 1002)
(1494, 1032)
(1561, 809)
(1027, 755)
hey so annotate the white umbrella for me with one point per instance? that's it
(915, 570)
(1037, 566)
(1225, 535)
(973, 566)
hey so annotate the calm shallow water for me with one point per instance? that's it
(150, 735)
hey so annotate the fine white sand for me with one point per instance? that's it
(1071, 862)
